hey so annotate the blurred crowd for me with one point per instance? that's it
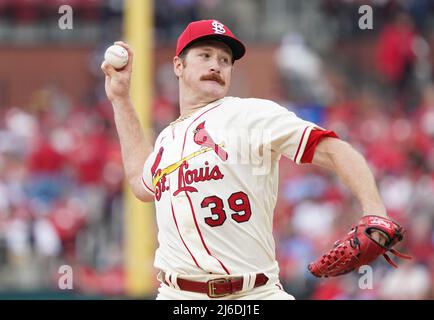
(61, 172)
(60, 193)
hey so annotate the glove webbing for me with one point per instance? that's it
(396, 253)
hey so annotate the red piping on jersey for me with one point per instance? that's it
(144, 183)
(200, 234)
(189, 200)
(176, 224)
(299, 144)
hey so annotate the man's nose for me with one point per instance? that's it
(214, 67)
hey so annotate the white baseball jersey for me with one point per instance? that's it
(215, 181)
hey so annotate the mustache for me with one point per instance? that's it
(214, 77)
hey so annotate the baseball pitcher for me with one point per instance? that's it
(213, 174)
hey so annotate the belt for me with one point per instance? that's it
(216, 288)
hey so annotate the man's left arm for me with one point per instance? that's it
(353, 170)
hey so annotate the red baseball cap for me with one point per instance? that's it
(210, 29)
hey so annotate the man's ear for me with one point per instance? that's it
(177, 66)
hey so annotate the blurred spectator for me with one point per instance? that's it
(302, 71)
(165, 107)
(395, 51)
(168, 28)
(410, 282)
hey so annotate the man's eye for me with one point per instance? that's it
(205, 55)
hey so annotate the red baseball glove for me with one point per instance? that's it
(359, 248)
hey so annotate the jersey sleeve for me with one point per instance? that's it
(314, 138)
(284, 132)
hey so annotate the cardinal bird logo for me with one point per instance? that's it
(202, 138)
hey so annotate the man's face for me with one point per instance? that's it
(205, 71)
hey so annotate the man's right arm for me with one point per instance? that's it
(135, 147)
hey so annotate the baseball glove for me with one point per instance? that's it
(359, 248)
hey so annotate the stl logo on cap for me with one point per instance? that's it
(218, 27)
(209, 29)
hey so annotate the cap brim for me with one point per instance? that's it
(238, 49)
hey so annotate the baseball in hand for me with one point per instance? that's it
(117, 56)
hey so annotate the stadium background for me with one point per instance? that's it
(61, 179)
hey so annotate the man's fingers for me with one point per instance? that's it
(130, 54)
(123, 44)
(379, 237)
(108, 69)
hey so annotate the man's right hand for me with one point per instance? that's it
(117, 82)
